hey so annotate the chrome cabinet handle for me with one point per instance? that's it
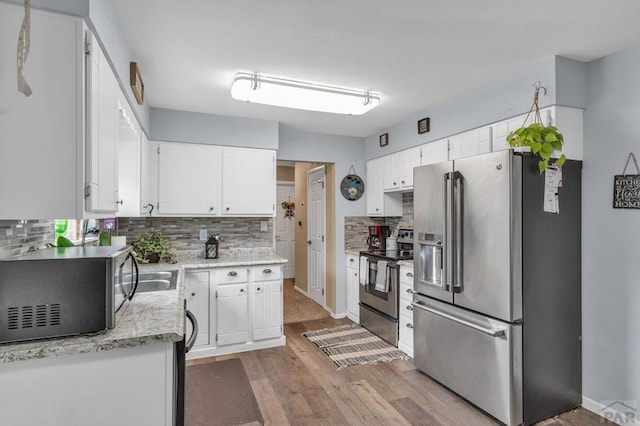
(258, 288)
(409, 274)
(242, 290)
(410, 291)
(193, 294)
(266, 271)
(409, 308)
(351, 260)
(409, 325)
(210, 209)
(232, 273)
(227, 209)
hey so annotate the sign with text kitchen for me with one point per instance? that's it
(626, 188)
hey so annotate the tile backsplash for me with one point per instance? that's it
(20, 236)
(356, 231)
(184, 232)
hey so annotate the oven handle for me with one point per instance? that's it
(194, 331)
(493, 332)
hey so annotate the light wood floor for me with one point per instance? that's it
(298, 385)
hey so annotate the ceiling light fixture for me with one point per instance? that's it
(287, 93)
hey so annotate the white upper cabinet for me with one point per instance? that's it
(188, 179)
(129, 161)
(379, 202)
(434, 152)
(397, 169)
(102, 131)
(468, 144)
(248, 182)
(41, 136)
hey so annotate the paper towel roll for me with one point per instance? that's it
(118, 241)
(392, 243)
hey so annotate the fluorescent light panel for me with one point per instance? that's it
(302, 95)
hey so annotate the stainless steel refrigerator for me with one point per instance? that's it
(497, 315)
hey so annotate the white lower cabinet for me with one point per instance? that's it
(405, 341)
(238, 308)
(124, 386)
(353, 288)
(198, 302)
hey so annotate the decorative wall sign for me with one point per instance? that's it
(135, 80)
(626, 188)
(352, 186)
(384, 139)
(424, 125)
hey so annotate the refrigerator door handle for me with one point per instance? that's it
(447, 270)
(493, 332)
(456, 226)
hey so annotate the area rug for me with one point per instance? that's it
(350, 345)
(219, 393)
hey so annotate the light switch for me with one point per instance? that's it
(263, 225)
(203, 235)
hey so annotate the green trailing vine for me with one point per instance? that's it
(152, 242)
(543, 140)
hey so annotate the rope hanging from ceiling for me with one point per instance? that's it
(24, 42)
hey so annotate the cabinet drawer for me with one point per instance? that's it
(266, 272)
(406, 294)
(232, 275)
(406, 276)
(353, 261)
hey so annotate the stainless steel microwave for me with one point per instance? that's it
(64, 291)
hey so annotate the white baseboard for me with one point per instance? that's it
(619, 412)
(208, 351)
(337, 316)
(299, 290)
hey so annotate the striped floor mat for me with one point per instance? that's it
(350, 345)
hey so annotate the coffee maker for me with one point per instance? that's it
(376, 241)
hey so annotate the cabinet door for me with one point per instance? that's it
(248, 181)
(232, 314)
(391, 168)
(197, 295)
(435, 152)
(410, 159)
(41, 135)
(148, 175)
(267, 309)
(129, 150)
(188, 179)
(353, 296)
(102, 125)
(374, 188)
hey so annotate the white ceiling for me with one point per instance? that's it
(415, 53)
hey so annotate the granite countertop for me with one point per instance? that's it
(148, 318)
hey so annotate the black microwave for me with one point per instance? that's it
(63, 291)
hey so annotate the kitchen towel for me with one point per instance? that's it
(381, 277)
(364, 270)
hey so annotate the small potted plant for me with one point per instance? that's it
(543, 140)
(151, 247)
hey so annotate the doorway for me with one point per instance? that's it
(285, 226)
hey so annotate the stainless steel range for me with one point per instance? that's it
(379, 280)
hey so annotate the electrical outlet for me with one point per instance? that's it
(203, 235)
(263, 225)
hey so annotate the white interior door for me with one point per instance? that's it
(285, 229)
(316, 272)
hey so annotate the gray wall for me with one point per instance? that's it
(181, 126)
(611, 238)
(508, 96)
(344, 151)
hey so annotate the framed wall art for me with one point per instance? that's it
(384, 139)
(135, 80)
(424, 125)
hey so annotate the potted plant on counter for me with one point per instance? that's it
(151, 247)
(543, 140)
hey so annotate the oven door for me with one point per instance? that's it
(382, 301)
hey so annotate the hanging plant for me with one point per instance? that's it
(543, 140)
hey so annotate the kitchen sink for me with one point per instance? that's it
(157, 281)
